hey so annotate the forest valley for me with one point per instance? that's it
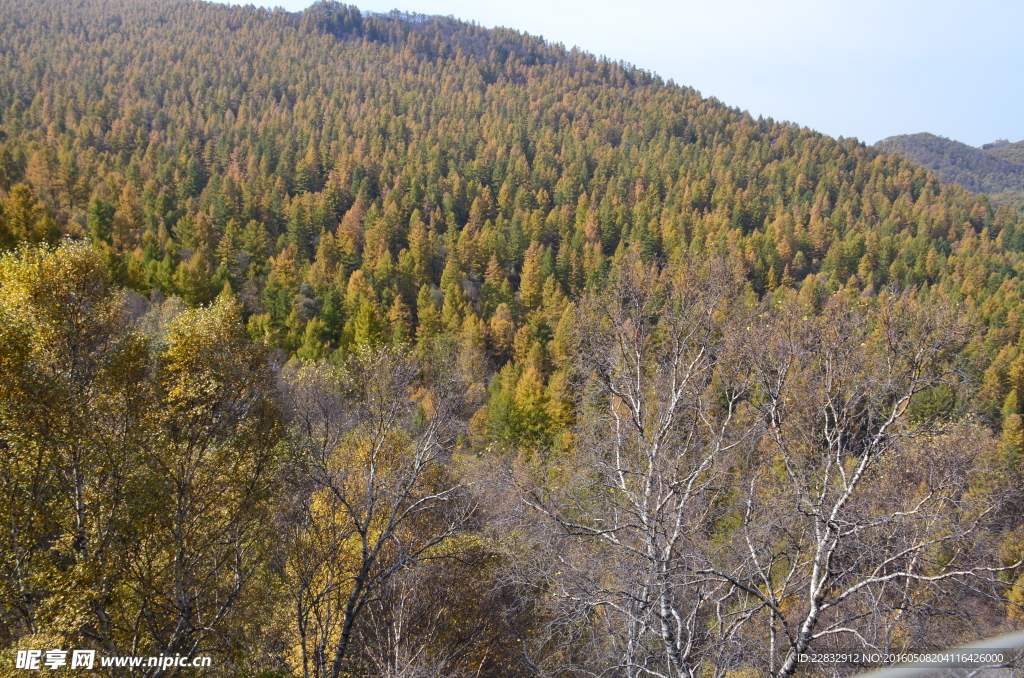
(337, 344)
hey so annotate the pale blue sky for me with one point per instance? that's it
(863, 68)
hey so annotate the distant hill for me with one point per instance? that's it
(1004, 150)
(996, 169)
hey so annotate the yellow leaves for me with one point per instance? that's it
(332, 529)
(58, 307)
(743, 673)
(364, 451)
(1015, 598)
(40, 285)
(206, 346)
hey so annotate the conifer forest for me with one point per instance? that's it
(338, 344)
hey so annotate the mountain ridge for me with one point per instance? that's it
(996, 169)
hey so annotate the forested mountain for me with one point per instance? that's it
(997, 168)
(345, 344)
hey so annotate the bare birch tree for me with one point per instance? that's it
(663, 414)
(754, 484)
(856, 513)
(375, 438)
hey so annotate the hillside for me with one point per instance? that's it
(345, 344)
(224, 146)
(996, 169)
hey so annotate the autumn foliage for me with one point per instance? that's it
(340, 344)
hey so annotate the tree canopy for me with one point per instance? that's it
(338, 343)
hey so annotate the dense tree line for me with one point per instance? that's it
(342, 344)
